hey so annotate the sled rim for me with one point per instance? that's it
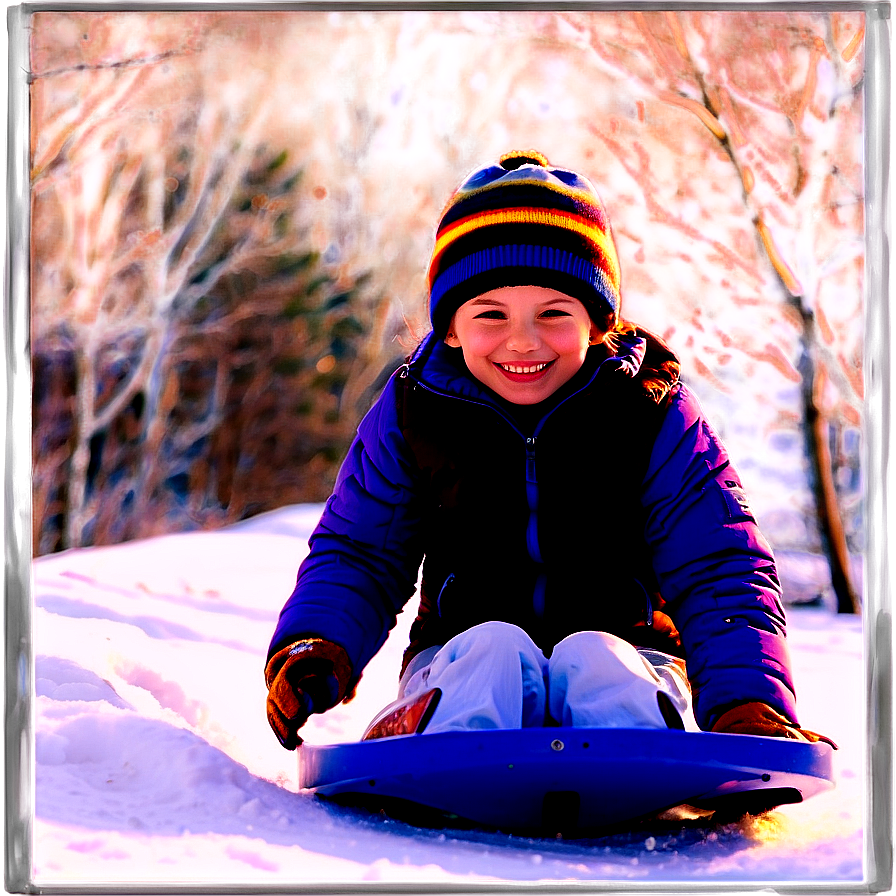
(673, 767)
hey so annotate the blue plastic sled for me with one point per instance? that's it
(556, 779)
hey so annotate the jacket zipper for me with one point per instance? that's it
(442, 590)
(648, 616)
(532, 541)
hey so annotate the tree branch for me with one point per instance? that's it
(136, 62)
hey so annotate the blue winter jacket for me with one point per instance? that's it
(714, 568)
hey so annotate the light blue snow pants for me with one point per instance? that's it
(494, 676)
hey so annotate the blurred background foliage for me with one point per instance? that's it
(232, 213)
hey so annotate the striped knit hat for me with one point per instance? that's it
(522, 223)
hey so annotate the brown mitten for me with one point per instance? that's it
(759, 718)
(308, 676)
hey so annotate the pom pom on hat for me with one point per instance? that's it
(520, 222)
(515, 158)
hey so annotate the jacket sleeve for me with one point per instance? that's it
(715, 569)
(365, 552)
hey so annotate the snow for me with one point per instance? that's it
(155, 763)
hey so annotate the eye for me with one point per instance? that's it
(554, 312)
(492, 314)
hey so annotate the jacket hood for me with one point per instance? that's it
(637, 354)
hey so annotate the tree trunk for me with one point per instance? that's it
(76, 516)
(157, 402)
(815, 427)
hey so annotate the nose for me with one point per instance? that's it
(523, 337)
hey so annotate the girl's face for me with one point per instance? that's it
(523, 342)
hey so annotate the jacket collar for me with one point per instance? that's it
(437, 367)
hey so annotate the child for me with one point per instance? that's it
(589, 557)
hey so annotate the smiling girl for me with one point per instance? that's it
(523, 342)
(588, 555)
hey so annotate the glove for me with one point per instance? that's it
(758, 718)
(311, 675)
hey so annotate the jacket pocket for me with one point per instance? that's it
(736, 506)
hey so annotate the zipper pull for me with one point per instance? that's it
(649, 618)
(530, 459)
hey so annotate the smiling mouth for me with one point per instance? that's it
(525, 368)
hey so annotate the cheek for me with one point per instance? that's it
(573, 344)
(478, 343)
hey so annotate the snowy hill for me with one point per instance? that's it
(155, 762)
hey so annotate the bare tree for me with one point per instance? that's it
(816, 174)
(93, 189)
(779, 103)
(176, 225)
